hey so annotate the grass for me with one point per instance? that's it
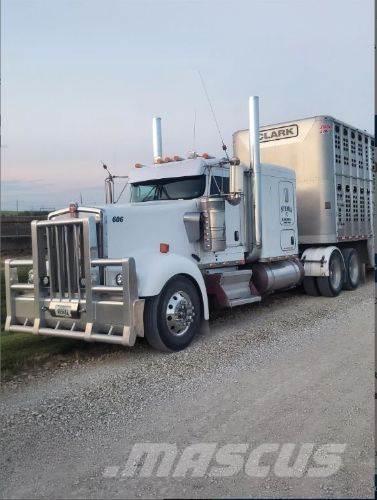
(24, 350)
(20, 351)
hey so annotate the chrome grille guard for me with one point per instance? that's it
(65, 300)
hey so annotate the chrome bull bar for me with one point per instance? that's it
(98, 312)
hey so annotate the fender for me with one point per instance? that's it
(316, 260)
(155, 270)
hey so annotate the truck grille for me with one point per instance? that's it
(62, 251)
(65, 257)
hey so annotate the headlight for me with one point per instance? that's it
(30, 277)
(45, 280)
(82, 282)
(119, 279)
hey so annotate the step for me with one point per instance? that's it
(246, 300)
(236, 285)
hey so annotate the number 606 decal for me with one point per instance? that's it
(117, 218)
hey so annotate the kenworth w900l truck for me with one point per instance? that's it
(187, 230)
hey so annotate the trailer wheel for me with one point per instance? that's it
(172, 318)
(310, 286)
(352, 269)
(331, 286)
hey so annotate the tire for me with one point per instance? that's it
(352, 269)
(175, 331)
(331, 286)
(310, 286)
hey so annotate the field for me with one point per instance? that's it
(21, 350)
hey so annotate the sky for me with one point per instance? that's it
(82, 79)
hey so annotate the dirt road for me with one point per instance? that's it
(294, 369)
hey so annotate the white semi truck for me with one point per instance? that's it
(190, 230)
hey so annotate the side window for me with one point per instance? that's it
(219, 185)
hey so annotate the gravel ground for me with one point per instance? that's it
(293, 369)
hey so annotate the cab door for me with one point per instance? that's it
(288, 236)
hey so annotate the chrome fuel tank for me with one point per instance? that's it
(268, 277)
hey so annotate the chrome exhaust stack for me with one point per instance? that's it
(157, 140)
(255, 169)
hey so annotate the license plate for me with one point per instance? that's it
(63, 311)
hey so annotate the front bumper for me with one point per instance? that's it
(102, 313)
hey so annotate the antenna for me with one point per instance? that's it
(224, 147)
(194, 133)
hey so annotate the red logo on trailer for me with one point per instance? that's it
(325, 127)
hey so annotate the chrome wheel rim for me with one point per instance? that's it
(335, 272)
(353, 269)
(179, 313)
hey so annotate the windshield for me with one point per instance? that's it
(178, 188)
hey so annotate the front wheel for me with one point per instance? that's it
(172, 318)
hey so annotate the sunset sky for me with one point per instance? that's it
(82, 79)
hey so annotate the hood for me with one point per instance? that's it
(137, 229)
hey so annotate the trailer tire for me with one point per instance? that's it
(174, 331)
(331, 286)
(310, 286)
(352, 269)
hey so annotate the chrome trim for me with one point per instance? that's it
(107, 262)
(22, 286)
(19, 263)
(76, 262)
(63, 211)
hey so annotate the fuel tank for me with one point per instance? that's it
(270, 276)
